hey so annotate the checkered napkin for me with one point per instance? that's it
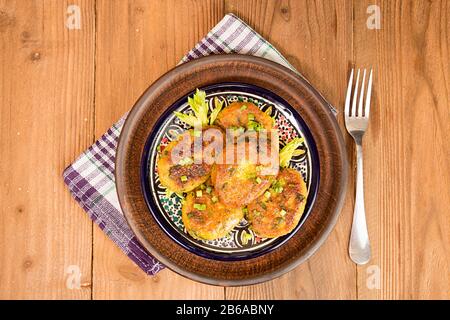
(91, 177)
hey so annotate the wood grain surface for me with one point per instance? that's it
(61, 89)
(47, 95)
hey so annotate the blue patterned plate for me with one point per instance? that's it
(241, 243)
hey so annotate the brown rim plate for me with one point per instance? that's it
(212, 71)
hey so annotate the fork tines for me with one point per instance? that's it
(358, 111)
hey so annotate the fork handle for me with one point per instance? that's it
(359, 248)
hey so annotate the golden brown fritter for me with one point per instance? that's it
(278, 211)
(176, 167)
(206, 218)
(241, 181)
(244, 115)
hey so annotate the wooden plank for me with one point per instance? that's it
(316, 38)
(137, 42)
(407, 170)
(46, 92)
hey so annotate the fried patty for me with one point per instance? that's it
(241, 181)
(206, 218)
(176, 166)
(241, 114)
(278, 211)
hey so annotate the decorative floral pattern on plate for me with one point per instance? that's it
(242, 238)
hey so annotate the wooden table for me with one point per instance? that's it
(60, 89)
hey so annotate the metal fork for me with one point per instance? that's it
(356, 122)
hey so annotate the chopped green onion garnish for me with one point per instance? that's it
(276, 186)
(279, 220)
(237, 130)
(267, 194)
(214, 199)
(282, 213)
(208, 190)
(183, 178)
(186, 161)
(243, 107)
(200, 207)
(253, 125)
(258, 180)
(245, 210)
(169, 193)
(197, 133)
(250, 117)
(199, 193)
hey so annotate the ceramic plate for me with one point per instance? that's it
(299, 110)
(241, 243)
